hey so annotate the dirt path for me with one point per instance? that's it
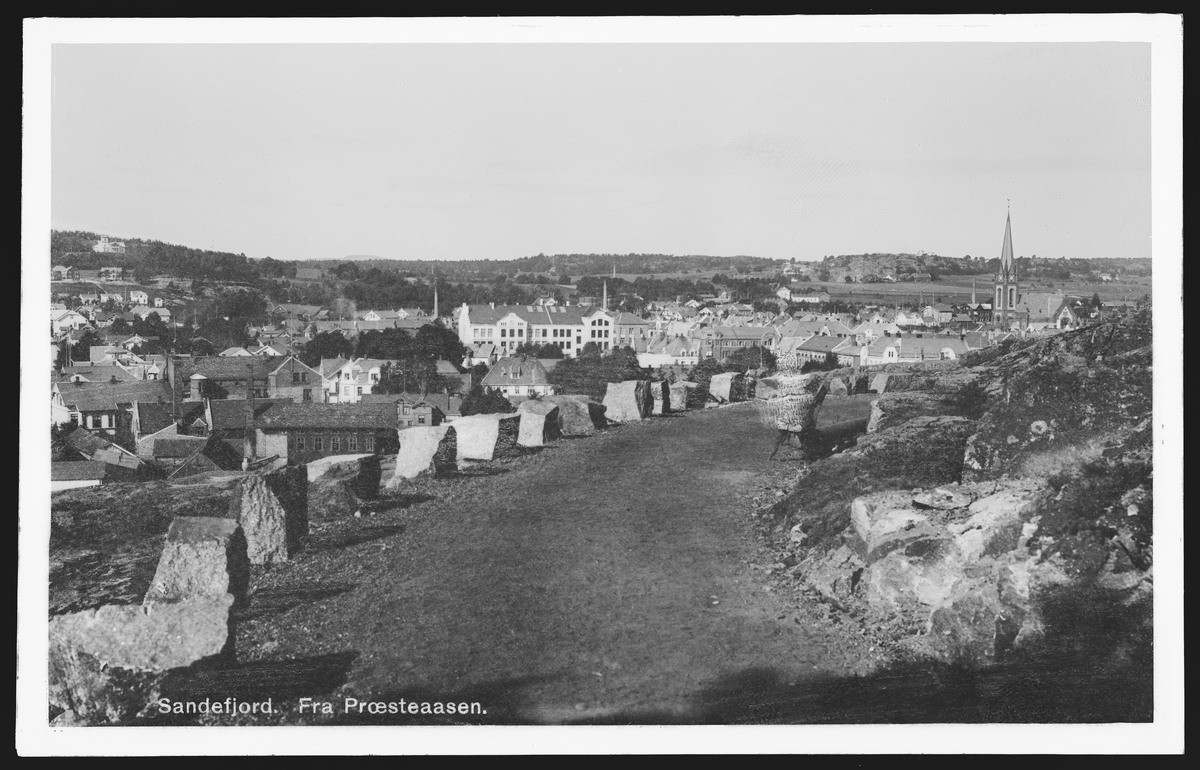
(615, 578)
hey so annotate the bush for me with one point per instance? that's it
(489, 401)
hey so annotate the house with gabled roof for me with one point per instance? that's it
(412, 410)
(72, 474)
(519, 377)
(305, 432)
(64, 273)
(295, 381)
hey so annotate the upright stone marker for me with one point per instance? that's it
(273, 511)
(628, 401)
(202, 556)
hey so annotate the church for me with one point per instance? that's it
(1007, 295)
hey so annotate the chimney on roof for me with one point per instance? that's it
(493, 304)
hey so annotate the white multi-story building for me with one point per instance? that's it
(508, 327)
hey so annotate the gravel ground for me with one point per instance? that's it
(610, 579)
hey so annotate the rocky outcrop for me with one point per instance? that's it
(1060, 395)
(425, 450)
(898, 408)
(1000, 486)
(628, 401)
(580, 415)
(272, 509)
(482, 437)
(106, 664)
(202, 556)
(539, 425)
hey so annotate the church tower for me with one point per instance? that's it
(1008, 289)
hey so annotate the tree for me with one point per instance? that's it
(119, 326)
(702, 374)
(1096, 303)
(201, 347)
(485, 401)
(750, 358)
(325, 345)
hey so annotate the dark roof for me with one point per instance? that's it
(228, 368)
(81, 470)
(448, 404)
(230, 414)
(85, 442)
(178, 446)
(96, 396)
(516, 370)
(329, 416)
(153, 417)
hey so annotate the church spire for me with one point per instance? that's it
(1006, 250)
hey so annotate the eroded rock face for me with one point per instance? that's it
(201, 557)
(628, 401)
(272, 509)
(425, 449)
(106, 665)
(580, 415)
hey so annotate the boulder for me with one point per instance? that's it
(628, 401)
(972, 625)
(580, 415)
(920, 575)
(202, 556)
(106, 665)
(542, 406)
(726, 387)
(425, 449)
(885, 521)
(945, 498)
(837, 575)
(898, 408)
(332, 498)
(358, 475)
(837, 387)
(273, 511)
(538, 426)
(660, 392)
(318, 468)
(995, 522)
(678, 393)
(484, 437)
(879, 383)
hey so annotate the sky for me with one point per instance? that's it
(498, 151)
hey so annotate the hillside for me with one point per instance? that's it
(871, 268)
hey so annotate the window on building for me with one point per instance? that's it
(420, 419)
(405, 409)
(300, 442)
(352, 442)
(360, 390)
(318, 444)
(307, 396)
(335, 443)
(346, 391)
(368, 443)
(295, 378)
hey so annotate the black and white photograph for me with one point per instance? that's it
(605, 385)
